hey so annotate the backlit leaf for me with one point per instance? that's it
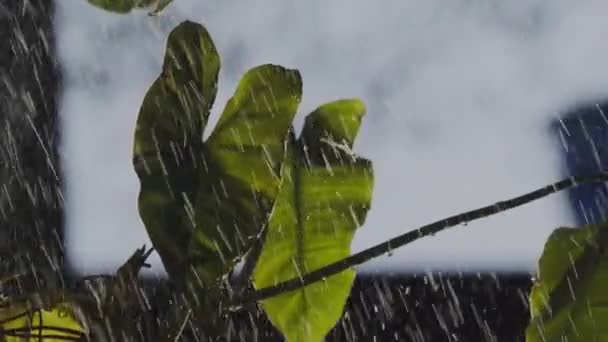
(22, 324)
(168, 141)
(204, 203)
(569, 300)
(244, 155)
(325, 195)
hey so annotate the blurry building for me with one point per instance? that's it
(583, 137)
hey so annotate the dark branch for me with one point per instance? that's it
(241, 280)
(411, 236)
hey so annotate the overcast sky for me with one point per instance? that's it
(460, 97)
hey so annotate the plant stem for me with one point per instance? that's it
(411, 236)
(183, 326)
(241, 280)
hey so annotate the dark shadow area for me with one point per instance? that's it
(425, 307)
(484, 307)
(31, 200)
(435, 307)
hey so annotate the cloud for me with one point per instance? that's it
(460, 98)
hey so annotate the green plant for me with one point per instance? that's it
(325, 195)
(286, 207)
(205, 203)
(569, 300)
(126, 6)
(58, 323)
(298, 240)
(251, 189)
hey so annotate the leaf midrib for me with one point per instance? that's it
(298, 205)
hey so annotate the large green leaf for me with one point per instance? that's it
(569, 299)
(126, 6)
(325, 195)
(168, 140)
(203, 203)
(245, 155)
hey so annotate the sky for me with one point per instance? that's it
(460, 98)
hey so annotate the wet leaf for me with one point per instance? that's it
(245, 154)
(126, 6)
(203, 203)
(57, 324)
(167, 140)
(569, 300)
(325, 195)
(160, 6)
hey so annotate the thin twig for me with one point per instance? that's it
(411, 236)
(183, 326)
(12, 277)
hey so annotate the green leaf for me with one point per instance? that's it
(20, 323)
(126, 6)
(167, 141)
(325, 195)
(204, 203)
(245, 154)
(569, 299)
(160, 6)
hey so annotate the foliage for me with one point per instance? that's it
(205, 203)
(25, 323)
(289, 207)
(126, 6)
(324, 197)
(98, 308)
(569, 300)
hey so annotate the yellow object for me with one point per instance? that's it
(20, 324)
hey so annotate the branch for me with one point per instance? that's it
(241, 280)
(411, 236)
